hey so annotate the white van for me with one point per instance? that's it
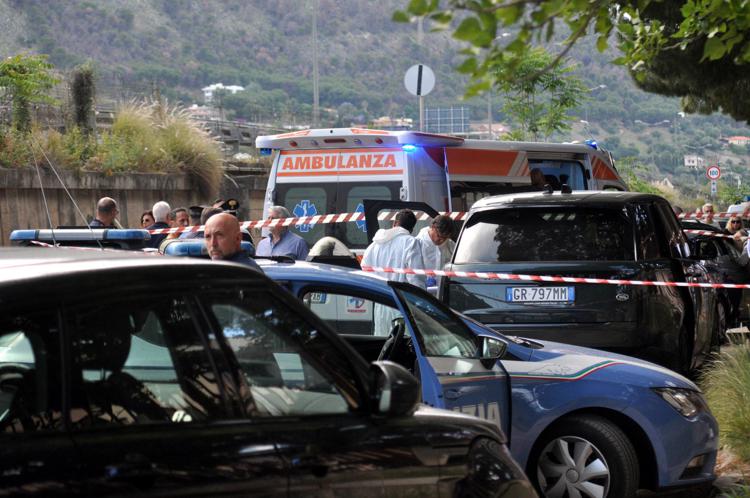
(329, 171)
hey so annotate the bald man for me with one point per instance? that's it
(223, 240)
(106, 213)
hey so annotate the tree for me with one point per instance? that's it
(696, 49)
(83, 91)
(26, 78)
(538, 101)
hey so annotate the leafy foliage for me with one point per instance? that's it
(650, 35)
(539, 101)
(727, 388)
(27, 78)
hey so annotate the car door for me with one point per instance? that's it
(448, 355)
(151, 403)
(302, 387)
(37, 455)
(687, 269)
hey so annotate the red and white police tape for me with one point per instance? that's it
(352, 217)
(715, 216)
(309, 220)
(711, 233)
(546, 278)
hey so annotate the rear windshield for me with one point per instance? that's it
(546, 234)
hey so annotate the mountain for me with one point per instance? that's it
(180, 46)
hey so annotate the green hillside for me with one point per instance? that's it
(179, 46)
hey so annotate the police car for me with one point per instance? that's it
(581, 421)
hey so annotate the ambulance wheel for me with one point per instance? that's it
(586, 456)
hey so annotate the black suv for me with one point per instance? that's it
(611, 235)
(124, 375)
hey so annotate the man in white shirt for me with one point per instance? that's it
(395, 248)
(437, 244)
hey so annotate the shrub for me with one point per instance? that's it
(159, 138)
(15, 151)
(727, 388)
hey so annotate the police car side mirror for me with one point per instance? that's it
(491, 350)
(395, 392)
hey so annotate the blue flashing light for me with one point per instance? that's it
(265, 151)
(190, 247)
(125, 234)
(21, 235)
(197, 248)
(79, 234)
(409, 148)
(592, 143)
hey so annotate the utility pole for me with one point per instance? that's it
(489, 115)
(316, 96)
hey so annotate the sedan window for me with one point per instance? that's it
(290, 368)
(30, 387)
(140, 362)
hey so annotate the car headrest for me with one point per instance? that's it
(104, 341)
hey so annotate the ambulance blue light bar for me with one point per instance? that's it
(409, 148)
(79, 234)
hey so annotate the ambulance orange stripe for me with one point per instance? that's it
(343, 172)
(480, 161)
(372, 150)
(363, 131)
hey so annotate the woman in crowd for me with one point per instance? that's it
(147, 219)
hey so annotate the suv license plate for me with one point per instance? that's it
(540, 294)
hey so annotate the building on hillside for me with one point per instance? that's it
(479, 130)
(392, 124)
(738, 140)
(208, 91)
(203, 112)
(664, 185)
(694, 162)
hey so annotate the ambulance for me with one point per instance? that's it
(330, 171)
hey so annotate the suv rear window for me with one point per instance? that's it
(546, 234)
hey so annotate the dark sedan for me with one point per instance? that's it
(726, 263)
(124, 375)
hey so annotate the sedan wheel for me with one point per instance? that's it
(587, 457)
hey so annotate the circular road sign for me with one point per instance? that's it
(713, 173)
(419, 80)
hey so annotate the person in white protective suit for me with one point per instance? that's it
(437, 245)
(395, 248)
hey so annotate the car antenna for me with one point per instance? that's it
(75, 204)
(44, 196)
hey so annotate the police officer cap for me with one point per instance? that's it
(230, 206)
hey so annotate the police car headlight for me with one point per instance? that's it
(685, 401)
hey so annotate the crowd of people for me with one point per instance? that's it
(394, 247)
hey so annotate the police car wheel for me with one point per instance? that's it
(585, 456)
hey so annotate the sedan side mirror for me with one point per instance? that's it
(491, 350)
(395, 391)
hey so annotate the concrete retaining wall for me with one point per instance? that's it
(22, 202)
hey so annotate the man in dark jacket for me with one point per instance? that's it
(223, 240)
(161, 212)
